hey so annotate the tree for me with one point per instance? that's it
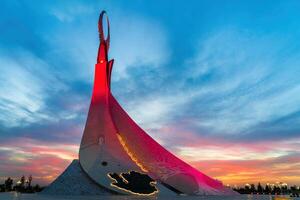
(284, 189)
(2, 188)
(247, 189)
(267, 189)
(252, 189)
(37, 188)
(29, 181)
(276, 190)
(259, 188)
(22, 180)
(8, 184)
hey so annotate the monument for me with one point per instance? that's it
(116, 156)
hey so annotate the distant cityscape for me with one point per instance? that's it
(278, 188)
(24, 185)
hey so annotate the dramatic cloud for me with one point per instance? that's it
(218, 88)
(44, 161)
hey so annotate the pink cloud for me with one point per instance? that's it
(270, 161)
(236, 162)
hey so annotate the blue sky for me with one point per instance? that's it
(207, 79)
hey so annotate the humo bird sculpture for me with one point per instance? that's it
(120, 156)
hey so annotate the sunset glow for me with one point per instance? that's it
(221, 94)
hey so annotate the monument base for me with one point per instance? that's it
(74, 181)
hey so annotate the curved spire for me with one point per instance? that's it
(100, 29)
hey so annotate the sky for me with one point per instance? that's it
(215, 82)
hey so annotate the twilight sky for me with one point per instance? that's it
(215, 82)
